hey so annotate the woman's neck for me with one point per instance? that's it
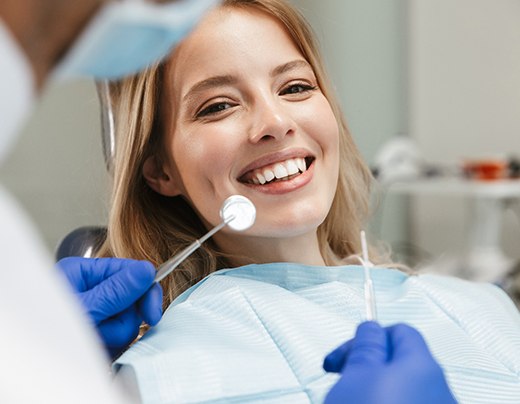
(302, 249)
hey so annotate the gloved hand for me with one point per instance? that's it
(386, 366)
(117, 294)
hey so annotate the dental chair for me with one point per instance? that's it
(86, 241)
(81, 242)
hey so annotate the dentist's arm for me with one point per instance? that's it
(117, 294)
(45, 30)
(386, 366)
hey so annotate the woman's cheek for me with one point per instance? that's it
(327, 126)
(211, 151)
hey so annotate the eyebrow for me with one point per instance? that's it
(206, 84)
(293, 65)
(220, 81)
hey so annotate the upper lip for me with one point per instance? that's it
(275, 158)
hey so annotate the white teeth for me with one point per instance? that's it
(261, 179)
(301, 164)
(291, 167)
(280, 171)
(269, 175)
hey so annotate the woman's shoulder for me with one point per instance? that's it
(468, 295)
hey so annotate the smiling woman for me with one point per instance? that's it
(242, 106)
(252, 108)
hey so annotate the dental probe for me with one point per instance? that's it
(237, 212)
(370, 297)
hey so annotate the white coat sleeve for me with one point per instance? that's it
(48, 351)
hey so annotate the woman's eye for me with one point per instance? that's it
(214, 109)
(297, 88)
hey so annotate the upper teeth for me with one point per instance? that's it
(279, 170)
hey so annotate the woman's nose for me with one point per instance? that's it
(271, 121)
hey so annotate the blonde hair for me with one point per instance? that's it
(146, 225)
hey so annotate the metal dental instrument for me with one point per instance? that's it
(237, 212)
(370, 297)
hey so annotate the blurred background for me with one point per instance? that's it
(443, 76)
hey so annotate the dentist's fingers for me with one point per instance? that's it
(369, 345)
(120, 290)
(150, 305)
(118, 332)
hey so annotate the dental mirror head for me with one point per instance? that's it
(238, 212)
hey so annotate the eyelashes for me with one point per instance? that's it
(294, 91)
(214, 109)
(297, 89)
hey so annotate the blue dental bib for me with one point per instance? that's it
(259, 333)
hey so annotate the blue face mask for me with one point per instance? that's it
(127, 36)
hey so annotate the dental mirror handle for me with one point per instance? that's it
(237, 212)
(166, 268)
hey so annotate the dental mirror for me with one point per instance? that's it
(237, 212)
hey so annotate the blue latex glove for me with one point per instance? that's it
(118, 295)
(389, 365)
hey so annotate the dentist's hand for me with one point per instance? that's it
(386, 366)
(117, 294)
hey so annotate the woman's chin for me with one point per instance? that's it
(289, 228)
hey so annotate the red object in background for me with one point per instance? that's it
(486, 170)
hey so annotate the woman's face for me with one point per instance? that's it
(245, 116)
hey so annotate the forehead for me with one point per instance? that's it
(231, 41)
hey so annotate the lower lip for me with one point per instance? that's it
(283, 187)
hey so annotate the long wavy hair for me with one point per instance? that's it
(146, 225)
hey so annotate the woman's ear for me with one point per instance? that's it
(159, 179)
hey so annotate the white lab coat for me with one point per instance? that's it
(48, 351)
